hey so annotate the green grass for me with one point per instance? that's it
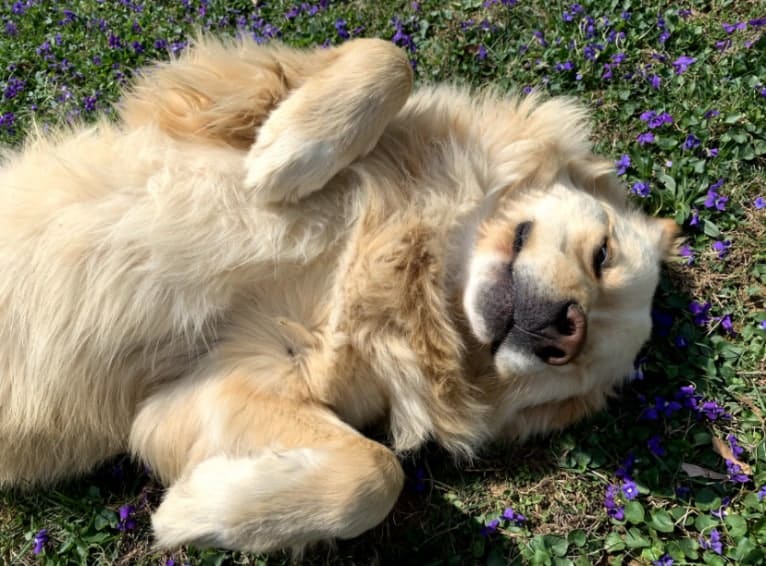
(72, 71)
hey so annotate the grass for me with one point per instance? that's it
(66, 61)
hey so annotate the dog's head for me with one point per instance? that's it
(560, 280)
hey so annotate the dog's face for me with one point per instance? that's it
(560, 285)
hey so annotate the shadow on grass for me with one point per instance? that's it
(557, 482)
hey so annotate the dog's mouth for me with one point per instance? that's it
(500, 338)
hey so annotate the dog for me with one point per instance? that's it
(274, 248)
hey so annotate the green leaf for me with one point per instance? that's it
(666, 143)
(661, 521)
(710, 229)
(634, 539)
(707, 500)
(743, 549)
(634, 512)
(578, 538)
(614, 542)
(736, 525)
(558, 545)
(689, 547)
(712, 559)
(668, 181)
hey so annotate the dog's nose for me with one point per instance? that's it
(564, 336)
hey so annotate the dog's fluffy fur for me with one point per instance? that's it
(274, 248)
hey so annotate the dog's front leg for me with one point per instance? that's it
(333, 118)
(257, 472)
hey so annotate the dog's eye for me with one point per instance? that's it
(521, 236)
(600, 257)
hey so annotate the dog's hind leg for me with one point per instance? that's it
(260, 473)
(303, 114)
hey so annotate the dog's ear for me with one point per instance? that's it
(667, 237)
(596, 176)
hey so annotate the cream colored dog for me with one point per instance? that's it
(274, 248)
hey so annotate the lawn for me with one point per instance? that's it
(674, 471)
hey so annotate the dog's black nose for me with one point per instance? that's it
(562, 338)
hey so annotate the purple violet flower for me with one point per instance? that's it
(761, 493)
(6, 120)
(510, 515)
(735, 473)
(713, 199)
(490, 527)
(736, 449)
(665, 560)
(126, 520)
(713, 543)
(340, 27)
(629, 489)
(723, 45)
(623, 163)
(641, 189)
(683, 63)
(691, 142)
(41, 539)
(759, 203)
(401, 37)
(700, 312)
(722, 248)
(712, 411)
(695, 217)
(727, 325)
(687, 396)
(686, 252)
(655, 120)
(645, 138)
(613, 510)
(114, 41)
(731, 28)
(13, 88)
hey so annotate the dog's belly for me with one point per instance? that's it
(283, 338)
